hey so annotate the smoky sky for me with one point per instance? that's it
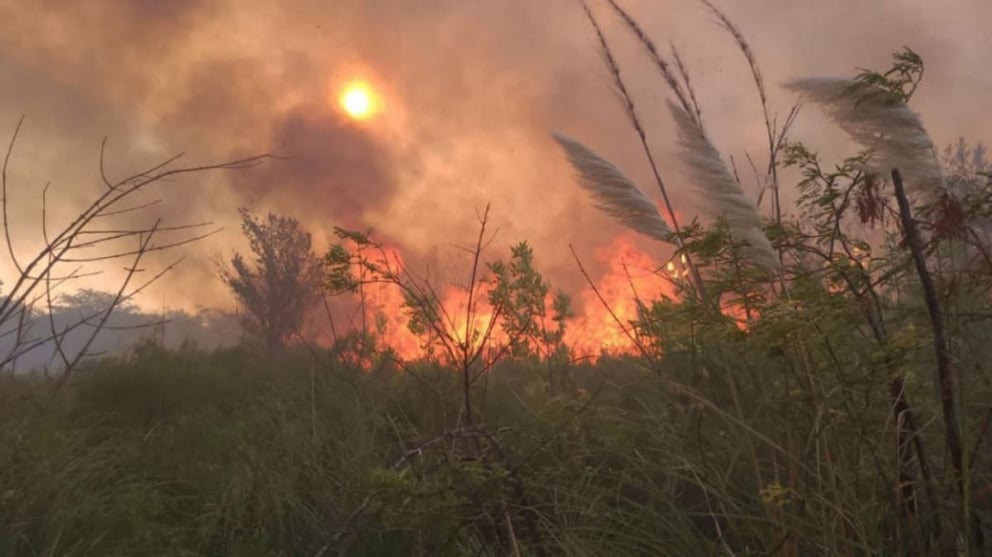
(326, 159)
(471, 90)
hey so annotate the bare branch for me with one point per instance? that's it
(3, 197)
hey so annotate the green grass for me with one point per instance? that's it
(219, 453)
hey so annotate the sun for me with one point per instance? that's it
(359, 101)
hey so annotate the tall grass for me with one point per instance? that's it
(783, 384)
(202, 453)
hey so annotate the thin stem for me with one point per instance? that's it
(636, 123)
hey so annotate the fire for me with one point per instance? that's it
(384, 310)
(680, 271)
(630, 275)
(384, 313)
(359, 100)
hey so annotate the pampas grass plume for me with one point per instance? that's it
(721, 195)
(882, 123)
(614, 193)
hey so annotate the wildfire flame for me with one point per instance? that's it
(630, 277)
(593, 330)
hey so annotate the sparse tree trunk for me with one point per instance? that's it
(945, 376)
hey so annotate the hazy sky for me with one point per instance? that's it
(471, 90)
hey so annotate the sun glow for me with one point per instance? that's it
(359, 101)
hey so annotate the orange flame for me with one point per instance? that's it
(631, 275)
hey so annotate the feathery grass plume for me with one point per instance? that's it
(723, 196)
(635, 122)
(881, 122)
(614, 193)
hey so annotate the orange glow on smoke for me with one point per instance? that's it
(630, 274)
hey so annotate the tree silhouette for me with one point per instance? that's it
(280, 283)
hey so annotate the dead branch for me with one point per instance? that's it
(81, 242)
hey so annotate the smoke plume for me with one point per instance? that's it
(470, 89)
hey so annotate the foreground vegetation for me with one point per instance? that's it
(218, 453)
(194, 453)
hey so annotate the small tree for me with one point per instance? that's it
(276, 289)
